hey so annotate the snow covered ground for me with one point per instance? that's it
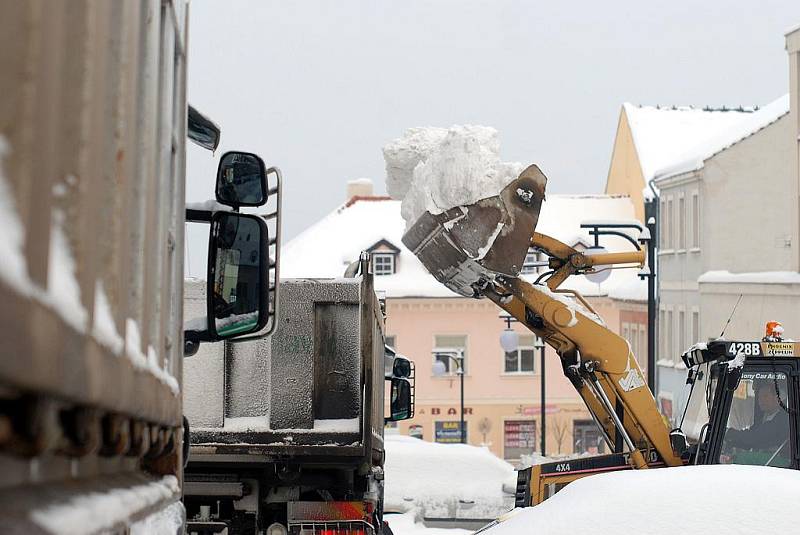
(446, 480)
(410, 523)
(734, 500)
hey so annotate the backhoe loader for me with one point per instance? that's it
(478, 251)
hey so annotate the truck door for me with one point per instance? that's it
(756, 419)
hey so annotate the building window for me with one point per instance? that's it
(662, 334)
(695, 327)
(668, 334)
(450, 344)
(383, 264)
(519, 438)
(681, 335)
(695, 220)
(665, 404)
(531, 258)
(681, 223)
(521, 360)
(586, 437)
(391, 341)
(642, 343)
(668, 221)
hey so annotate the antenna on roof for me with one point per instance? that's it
(730, 317)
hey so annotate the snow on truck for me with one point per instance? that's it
(93, 128)
(287, 433)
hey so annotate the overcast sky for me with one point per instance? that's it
(318, 87)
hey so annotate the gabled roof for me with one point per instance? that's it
(746, 126)
(385, 243)
(662, 135)
(326, 248)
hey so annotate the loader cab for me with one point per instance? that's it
(744, 404)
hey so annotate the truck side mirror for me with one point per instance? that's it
(401, 400)
(238, 260)
(402, 367)
(241, 180)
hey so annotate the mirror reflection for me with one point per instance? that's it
(241, 180)
(237, 274)
(400, 399)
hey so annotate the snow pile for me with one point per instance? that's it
(445, 480)
(454, 167)
(403, 154)
(730, 499)
(410, 524)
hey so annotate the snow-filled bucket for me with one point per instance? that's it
(465, 244)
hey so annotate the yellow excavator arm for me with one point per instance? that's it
(463, 249)
(598, 362)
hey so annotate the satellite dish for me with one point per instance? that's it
(603, 272)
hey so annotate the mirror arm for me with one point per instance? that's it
(198, 216)
(192, 341)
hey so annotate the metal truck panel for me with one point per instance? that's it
(92, 149)
(302, 392)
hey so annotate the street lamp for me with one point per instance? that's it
(539, 344)
(457, 357)
(509, 341)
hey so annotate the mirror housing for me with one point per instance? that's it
(237, 281)
(402, 367)
(241, 180)
(401, 400)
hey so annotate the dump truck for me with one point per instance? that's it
(478, 251)
(93, 128)
(287, 432)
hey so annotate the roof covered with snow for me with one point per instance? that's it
(746, 125)
(325, 249)
(663, 135)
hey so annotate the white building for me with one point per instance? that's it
(729, 228)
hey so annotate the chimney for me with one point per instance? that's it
(361, 187)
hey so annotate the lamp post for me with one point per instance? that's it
(539, 344)
(509, 341)
(456, 356)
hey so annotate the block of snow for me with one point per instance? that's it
(454, 167)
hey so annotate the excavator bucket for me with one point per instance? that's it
(479, 241)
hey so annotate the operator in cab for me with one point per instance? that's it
(770, 428)
(758, 423)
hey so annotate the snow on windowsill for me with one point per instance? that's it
(759, 277)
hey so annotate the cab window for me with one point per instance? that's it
(757, 431)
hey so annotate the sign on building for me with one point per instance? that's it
(519, 438)
(450, 432)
